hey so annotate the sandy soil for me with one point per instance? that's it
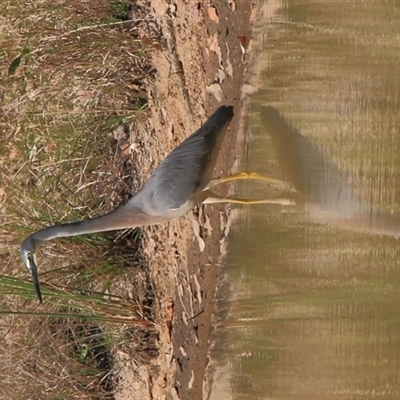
(201, 67)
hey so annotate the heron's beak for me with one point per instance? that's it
(35, 280)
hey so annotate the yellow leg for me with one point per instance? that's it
(214, 199)
(243, 176)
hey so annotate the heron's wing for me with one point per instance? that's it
(186, 168)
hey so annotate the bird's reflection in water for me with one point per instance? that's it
(325, 193)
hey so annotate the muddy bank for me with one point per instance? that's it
(200, 66)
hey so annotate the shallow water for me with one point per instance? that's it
(311, 300)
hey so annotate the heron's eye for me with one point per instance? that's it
(29, 256)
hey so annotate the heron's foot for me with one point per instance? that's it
(244, 176)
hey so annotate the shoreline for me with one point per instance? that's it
(193, 78)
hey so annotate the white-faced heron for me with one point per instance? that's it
(182, 181)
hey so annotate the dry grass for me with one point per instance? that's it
(70, 73)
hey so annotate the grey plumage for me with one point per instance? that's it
(187, 169)
(176, 186)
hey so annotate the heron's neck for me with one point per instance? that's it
(123, 218)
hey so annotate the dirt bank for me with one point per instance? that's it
(200, 67)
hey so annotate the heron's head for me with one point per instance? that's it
(28, 250)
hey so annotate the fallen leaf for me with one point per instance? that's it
(214, 47)
(213, 42)
(207, 224)
(244, 42)
(247, 90)
(215, 89)
(191, 381)
(232, 5)
(196, 231)
(181, 290)
(223, 246)
(184, 318)
(183, 351)
(228, 68)
(198, 288)
(213, 14)
(220, 75)
(172, 9)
